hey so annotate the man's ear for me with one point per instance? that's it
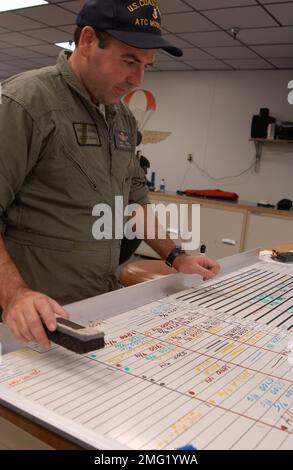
(88, 37)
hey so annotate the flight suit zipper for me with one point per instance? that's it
(81, 169)
(111, 142)
(110, 136)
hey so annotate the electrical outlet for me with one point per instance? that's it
(190, 157)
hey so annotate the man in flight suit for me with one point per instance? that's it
(68, 144)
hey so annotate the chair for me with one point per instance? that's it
(136, 272)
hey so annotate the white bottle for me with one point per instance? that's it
(162, 186)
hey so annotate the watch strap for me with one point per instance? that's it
(173, 255)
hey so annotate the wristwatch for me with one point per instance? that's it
(173, 255)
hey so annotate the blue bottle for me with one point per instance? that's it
(152, 185)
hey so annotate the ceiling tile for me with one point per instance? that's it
(4, 56)
(45, 61)
(277, 35)
(173, 66)
(3, 66)
(6, 68)
(9, 68)
(29, 34)
(249, 64)
(18, 23)
(284, 50)
(209, 65)
(22, 63)
(282, 12)
(5, 74)
(21, 52)
(177, 41)
(275, 1)
(173, 6)
(46, 49)
(68, 29)
(50, 35)
(52, 15)
(74, 6)
(3, 45)
(238, 52)
(188, 55)
(186, 22)
(245, 17)
(18, 39)
(162, 57)
(211, 4)
(212, 39)
(283, 63)
(194, 54)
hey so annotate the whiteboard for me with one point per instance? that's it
(207, 366)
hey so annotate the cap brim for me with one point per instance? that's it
(145, 41)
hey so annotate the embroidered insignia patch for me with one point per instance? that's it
(87, 134)
(122, 140)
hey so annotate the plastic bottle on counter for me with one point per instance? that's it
(152, 183)
(162, 186)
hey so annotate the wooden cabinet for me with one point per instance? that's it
(227, 229)
(222, 230)
(265, 230)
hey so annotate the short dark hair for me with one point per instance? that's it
(101, 35)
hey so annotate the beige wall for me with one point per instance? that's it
(209, 115)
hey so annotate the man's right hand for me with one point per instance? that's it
(25, 313)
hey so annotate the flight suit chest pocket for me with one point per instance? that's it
(87, 154)
(75, 169)
(87, 134)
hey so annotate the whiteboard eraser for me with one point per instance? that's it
(77, 338)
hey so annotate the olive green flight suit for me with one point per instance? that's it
(59, 157)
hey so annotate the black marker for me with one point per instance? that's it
(203, 250)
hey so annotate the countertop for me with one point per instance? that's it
(238, 205)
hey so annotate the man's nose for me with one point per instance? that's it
(136, 78)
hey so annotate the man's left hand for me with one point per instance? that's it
(202, 265)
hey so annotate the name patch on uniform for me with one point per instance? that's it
(122, 140)
(87, 134)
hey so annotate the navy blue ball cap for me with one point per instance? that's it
(137, 24)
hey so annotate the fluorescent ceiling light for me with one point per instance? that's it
(66, 45)
(8, 5)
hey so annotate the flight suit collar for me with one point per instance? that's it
(73, 82)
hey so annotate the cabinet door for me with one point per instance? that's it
(264, 231)
(222, 231)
